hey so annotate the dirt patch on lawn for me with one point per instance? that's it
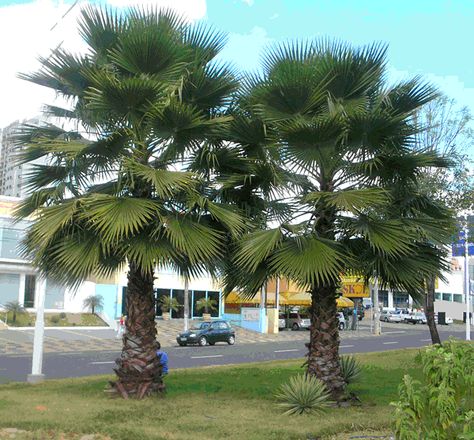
(20, 434)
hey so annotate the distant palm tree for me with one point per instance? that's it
(93, 302)
(208, 304)
(16, 308)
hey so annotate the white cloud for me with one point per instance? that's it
(450, 85)
(25, 34)
(249, 2)
(245, 50)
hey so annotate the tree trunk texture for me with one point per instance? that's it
(429, 310)
(323, 348)
(138, 368)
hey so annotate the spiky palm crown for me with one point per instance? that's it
(334, 120)
(146, 95)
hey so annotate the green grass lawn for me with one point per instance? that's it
(234, 402)
(53, 320)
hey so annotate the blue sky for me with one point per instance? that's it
(432, 38)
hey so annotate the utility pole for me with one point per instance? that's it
(466, 280)
(375, 307)
(37, 375)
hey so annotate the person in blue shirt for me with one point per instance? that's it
(163, 360)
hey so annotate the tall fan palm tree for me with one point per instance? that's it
(338, 123)
(111, 194)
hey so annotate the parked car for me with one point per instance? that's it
(297, 321)
(342, 320)
(390, 316)
(416, 318)
(208, 333)
(281, 321)
(403, 313)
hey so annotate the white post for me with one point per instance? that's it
(277, 295)
(36, 375)
(466, 280)
(186, 302)
(376, 309)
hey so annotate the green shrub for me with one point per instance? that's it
(55, 319)
(442, 406)
(62, 315)
(350, 368)
(303, 394)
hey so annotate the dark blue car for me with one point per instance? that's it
(208, 333)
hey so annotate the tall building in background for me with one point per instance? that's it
(12, 175)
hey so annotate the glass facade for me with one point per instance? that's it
(54, 298)
(9, 287)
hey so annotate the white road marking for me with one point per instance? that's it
(392, 333)
(286, 351)
(387, 343)
(202, 357)
(425, 340)
(103, 362)
(346, 346)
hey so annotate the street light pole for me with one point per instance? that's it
(37, 375)
(466, 280)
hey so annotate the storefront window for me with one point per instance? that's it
(54, 296)
(215, 297)
(198, 294)
(9, 287)
(457, 297)
(400, 300)
(30, 289)
(160, 293)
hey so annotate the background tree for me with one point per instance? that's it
(93, 302)
(448, 132)
(338, 123)
(145, 96)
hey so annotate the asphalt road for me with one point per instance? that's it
(57, 365)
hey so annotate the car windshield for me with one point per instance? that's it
(203, 326)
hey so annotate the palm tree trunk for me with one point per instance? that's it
(323, 348)
(138, 368)
(429, 310)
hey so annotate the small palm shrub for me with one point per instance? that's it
(303, 394)
(55, 319)
(440, 407)
(350, 368)
(167, 303)
(94, 303)
(15, 308)
(62, 315)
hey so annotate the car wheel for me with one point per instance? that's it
(212, 343)
(386, 319)
(181, 344)
(295, 326)
(231, 340)
(341, 326)
(202, 341)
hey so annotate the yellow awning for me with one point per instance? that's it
(286, 298)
